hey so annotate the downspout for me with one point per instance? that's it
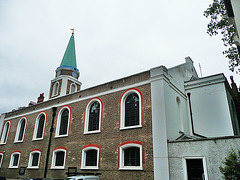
(191, 117)
(50, 139)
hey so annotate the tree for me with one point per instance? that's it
(219, 22)
(231, 169)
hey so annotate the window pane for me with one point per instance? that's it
(40, 126)
(15, 159)
(59, 158)
(21, 131)
(5, 132)
(91, 158)
(195, 169)
(35, 158)
(132, 110)
(132, 156)
(64, 122)
(94, 113)
(1, 158)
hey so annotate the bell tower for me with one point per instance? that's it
(67, 74)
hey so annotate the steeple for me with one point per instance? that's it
(67, 74)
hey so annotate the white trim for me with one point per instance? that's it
(5, 133)
(86, 121)
(54, 159)
(1, 159)
(121, 157)
(194, 157)
(59, 121)
(80, 99)
(31, 158)
(37, 124)
(11, 160)
(18, 130)
(83, 162)
(122, 114)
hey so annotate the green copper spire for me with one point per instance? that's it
(69, 58)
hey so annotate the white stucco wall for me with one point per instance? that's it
(210, 109)
(213, 150)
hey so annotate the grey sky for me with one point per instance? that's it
(114, 38)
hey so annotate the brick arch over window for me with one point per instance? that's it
(40, 124)
(93, 116)
(21, 129)
(131, 156)
(131, 113)
(63, 121)
(5, 132)
(90, 157)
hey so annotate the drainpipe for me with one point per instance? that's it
(54, 109)
(191, 117)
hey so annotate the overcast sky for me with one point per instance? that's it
(114, 39)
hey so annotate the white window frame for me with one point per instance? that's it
(1, 153)
(86, 122)
(18, 130)
(55, 89)
(54, 158)
(83, 162)
(11, 160)
(31, 158)
(122, 109)
(57, 135)
(70, 89)
(5, 132)
(121, 157)
(194, 157)
(37, 124)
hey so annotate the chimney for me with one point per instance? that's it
(41, 98)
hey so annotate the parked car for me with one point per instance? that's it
(83, 178)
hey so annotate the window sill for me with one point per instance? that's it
(131, 168)
(90, 167)
(2, 144)
(13, 167)
(130, 127)
(61, 136)
(18, 142)
(92, 132)
(33, 167)
(39, 139)
(58, 167)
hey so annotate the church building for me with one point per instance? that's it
(163, 123)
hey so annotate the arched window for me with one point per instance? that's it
(63, 122)
(39, 126)
(73, 88)
(5, 132)
(131, 115)
(55, 89)
(131, 156)
(59, 158)
(34, 159)
(21, 128)
(15, 158)
(1, 158)
(93, 116)
(90, 157)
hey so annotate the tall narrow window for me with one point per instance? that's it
(90, 157)
(21, 130)
(34, 159)
(15, 158)
(131, 156)
(55, 89)
(93, 116)
(1, 158)
(39, 126)
(73, 88)
(59, 158)
(63, 122)
(5, 132)
(130, 116)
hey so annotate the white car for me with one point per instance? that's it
(83, 178)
